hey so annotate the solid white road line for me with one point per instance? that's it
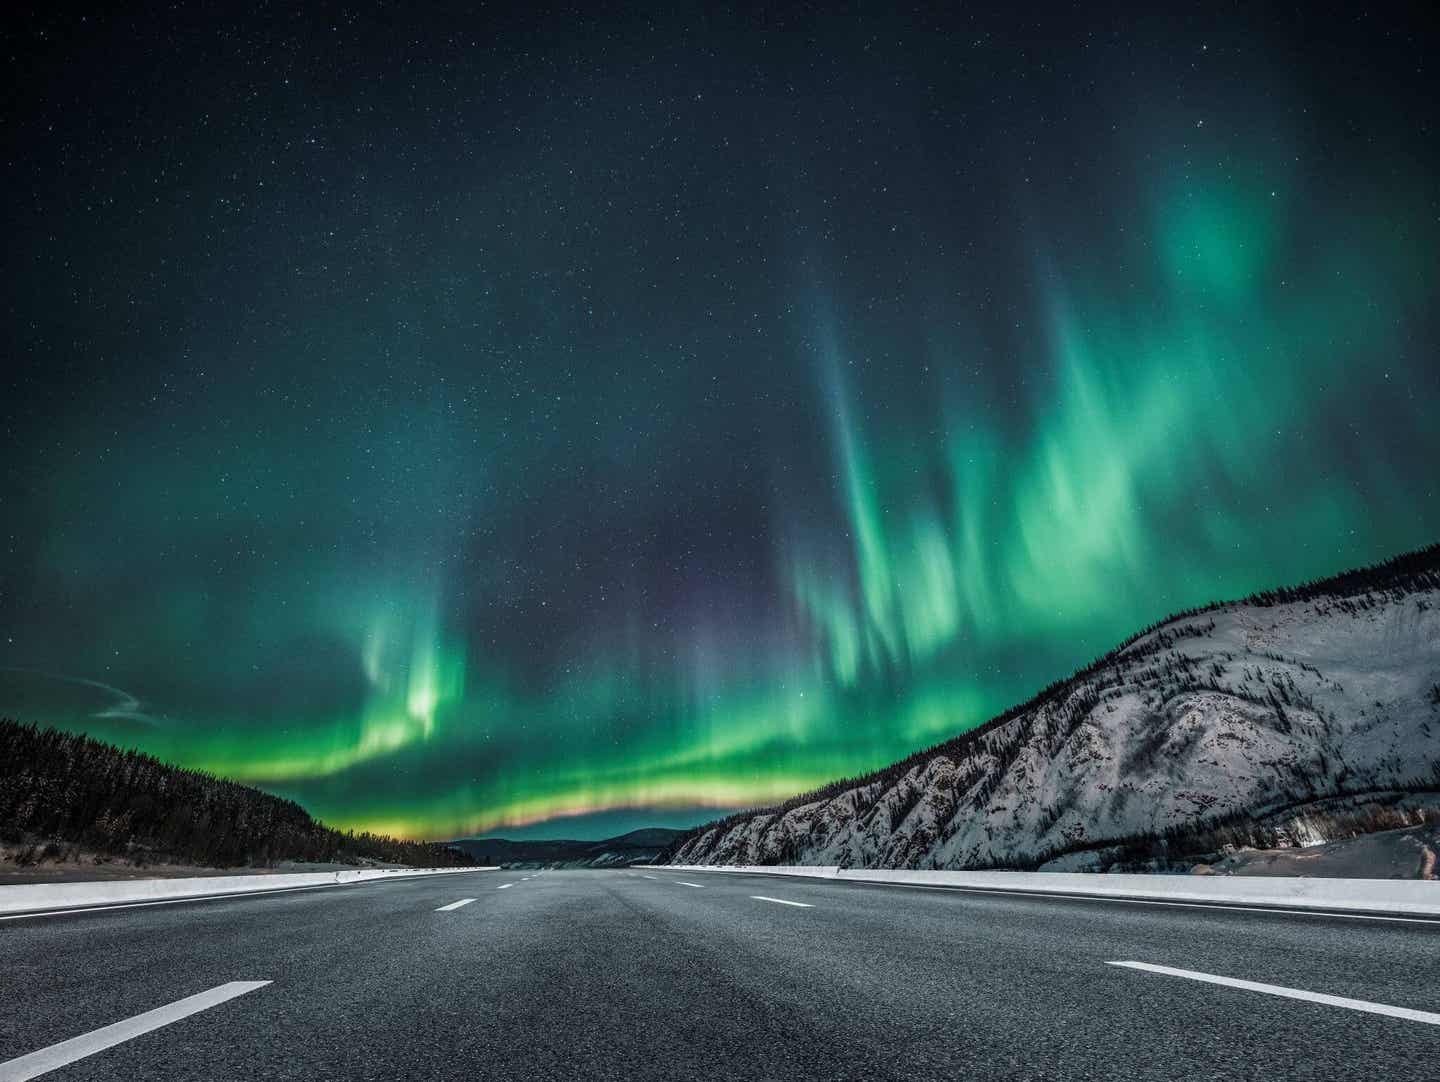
(58, 1055)
(1273, 910)
(172, 901)
(454, 905)
(782, 901)
(199, 898)
(1289, 993)
(685, 884)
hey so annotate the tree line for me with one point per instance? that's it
(61, 791)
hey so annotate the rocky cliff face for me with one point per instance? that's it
(1238, 710)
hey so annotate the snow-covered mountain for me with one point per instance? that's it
(1224, 715)
(636, 846)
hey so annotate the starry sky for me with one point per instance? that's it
(552, 423)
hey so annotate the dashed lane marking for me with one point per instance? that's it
(455, 905)
(1406, 1013)
(58, 1055)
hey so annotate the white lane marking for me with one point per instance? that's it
(647, 877)
(58, 1055)
(1273, 910)
(454, 905)
(782, 901)
(685, 884)
(504, 885)
(1288, 993)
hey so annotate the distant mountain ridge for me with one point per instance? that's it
(1225, 717)
(644, 844)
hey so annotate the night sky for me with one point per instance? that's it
(556, 424)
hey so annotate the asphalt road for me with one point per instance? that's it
(634, 975)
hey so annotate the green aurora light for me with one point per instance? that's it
(437, 557)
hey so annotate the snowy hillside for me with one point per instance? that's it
(1226, 714)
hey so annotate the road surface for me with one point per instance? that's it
(642, 973)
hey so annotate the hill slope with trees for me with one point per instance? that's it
(64, 793)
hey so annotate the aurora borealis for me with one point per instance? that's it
(562, 424)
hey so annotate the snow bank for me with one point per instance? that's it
(1389, 897)
(44, 897)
